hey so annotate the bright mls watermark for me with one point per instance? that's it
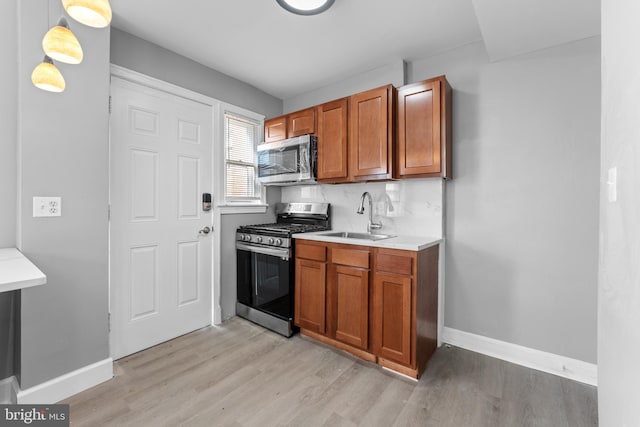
(34, 415)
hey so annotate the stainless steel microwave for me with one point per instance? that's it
(287, 162)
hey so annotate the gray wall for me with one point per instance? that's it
(147, 58)
(522, 209)
(619, 278)
(521, 212)
(8, 101)
(64, 152)
(393, 73)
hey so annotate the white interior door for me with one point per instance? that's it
(160, 258)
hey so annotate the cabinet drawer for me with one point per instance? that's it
(394, 263)
(352, 257)
(316, 253)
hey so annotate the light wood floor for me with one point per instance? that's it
(240, 374)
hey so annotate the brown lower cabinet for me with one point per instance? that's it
(378, 304)
(311, 288)
(348, 286)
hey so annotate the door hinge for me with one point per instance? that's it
(109, 104)
(109, 321)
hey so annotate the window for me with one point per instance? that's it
(241, 136)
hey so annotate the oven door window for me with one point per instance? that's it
(279, 161)
(264, 283)
(271, 285)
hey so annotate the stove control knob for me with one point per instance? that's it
(278, 242)
(271, 240)
(240, 236)
(259, 239)
(246, 237)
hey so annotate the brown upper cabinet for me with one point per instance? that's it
(301, 122)
(332, 141)
(380, 134)
(423, 147)
(275, 129)
(371, 134)
(294, 124)
(355, 137)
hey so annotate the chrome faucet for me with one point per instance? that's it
(371, 225)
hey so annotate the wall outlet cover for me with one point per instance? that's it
(612, 184)
(47, 206)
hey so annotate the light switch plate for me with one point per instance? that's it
(47, 206)
(612, 184)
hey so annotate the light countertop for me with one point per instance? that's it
(407, 243)
(17, 272)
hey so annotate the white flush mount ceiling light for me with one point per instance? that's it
(306, 7)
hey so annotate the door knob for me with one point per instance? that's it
(205, 230)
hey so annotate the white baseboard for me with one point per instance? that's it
(6, 391)
(562, 366)
(66, 385)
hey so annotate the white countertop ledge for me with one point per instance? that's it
(17, 272)
(407, 243)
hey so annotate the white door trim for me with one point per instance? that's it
(151, 82)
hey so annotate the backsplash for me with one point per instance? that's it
(410, 207)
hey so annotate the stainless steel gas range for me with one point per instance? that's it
(265, 267)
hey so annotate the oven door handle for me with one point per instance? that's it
(281, 253)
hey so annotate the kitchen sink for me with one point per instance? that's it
(363, 236)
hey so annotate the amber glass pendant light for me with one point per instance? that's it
(62, 45)
(46, 76)
(93, 13)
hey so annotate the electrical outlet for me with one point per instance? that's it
(47, 206)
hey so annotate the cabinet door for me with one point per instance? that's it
(332, 140)
(392, 317)
(301, 122)
(275, 129)
(371, 134)
(350, 305)
(419, 129)
(310, 295)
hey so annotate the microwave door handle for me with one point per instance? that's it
(300, 159)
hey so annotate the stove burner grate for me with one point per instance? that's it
(291, 228)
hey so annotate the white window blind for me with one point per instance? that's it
(241, 181)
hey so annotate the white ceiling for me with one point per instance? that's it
(284, 55)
